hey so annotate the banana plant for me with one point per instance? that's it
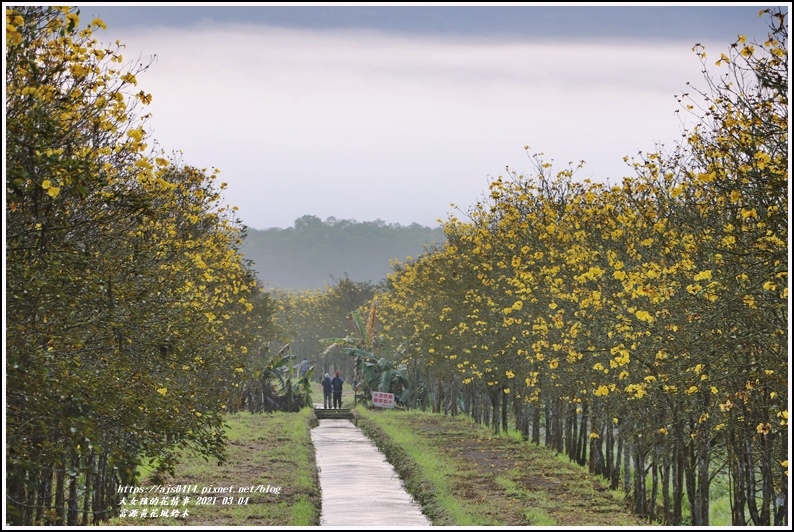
(272, 387)
(377, 373)
(295, 394)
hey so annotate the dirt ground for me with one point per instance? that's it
(252, 463)
(482, 462)
(501, 481)
(280, 470)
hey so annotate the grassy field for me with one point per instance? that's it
(269, 479)
(460, 473)
(463, 475)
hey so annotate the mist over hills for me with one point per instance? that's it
(312, 253)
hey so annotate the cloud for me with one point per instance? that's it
(363, 124)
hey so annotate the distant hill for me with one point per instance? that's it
(313, 252)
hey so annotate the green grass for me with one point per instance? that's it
(428, 467)
(536, 502)
(464, 475)
(459, 472)
(264, 450)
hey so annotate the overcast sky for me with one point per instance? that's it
(397, 112)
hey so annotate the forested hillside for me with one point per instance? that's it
(313, 252)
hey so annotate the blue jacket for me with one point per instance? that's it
(326, 382)
(336, 383)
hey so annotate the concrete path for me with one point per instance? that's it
(359, 487)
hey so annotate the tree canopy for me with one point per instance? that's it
(649, 316)
(129, 305)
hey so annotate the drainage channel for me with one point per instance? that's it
(359, 487)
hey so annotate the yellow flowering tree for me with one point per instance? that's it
(644, 324)
(128, 302)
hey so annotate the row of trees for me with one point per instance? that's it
(641, 328)
(310, 318)
(129, 306)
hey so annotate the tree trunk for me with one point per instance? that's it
(584, 436)
(454, 405)
(89, 481)
(71, 516)
(667, 511)
(736, 471)
(639, 478)
(548, 422)
(504, 411)
(570, 432)
(615, 479)
(535, 425)
(704, 479)
(609, 456)
(439, 394)
(626, 465)
(767, 488)
(781, 500)
(678, 483)
(44, 495)
(495, 406)
(99, 489)
(60, 486)
(30, 497)
(654, 484)
(694, 502)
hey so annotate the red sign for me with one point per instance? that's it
(383, 400)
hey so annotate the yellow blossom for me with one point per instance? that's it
(749, 213)
(705, 275)
(135, 134)
(129, 77)
(694, 288)
(73, 19)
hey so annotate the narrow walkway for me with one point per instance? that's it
(359, 487)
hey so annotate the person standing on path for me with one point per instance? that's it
(336, 384)
(326, 382)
